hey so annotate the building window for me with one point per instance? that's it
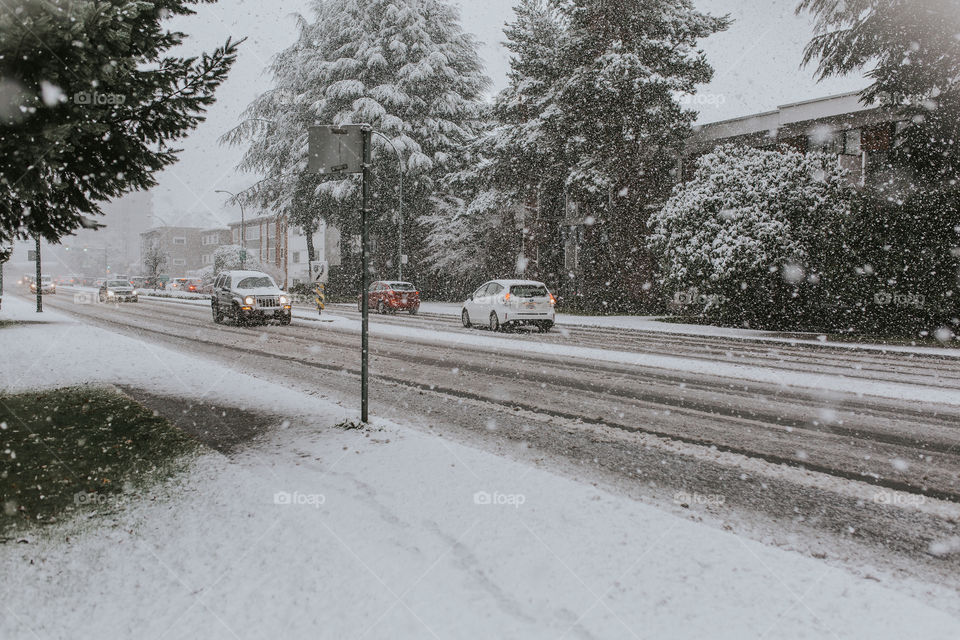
(206, 259)
(851, 142)
(179, 262)
(272, 254)
(295, 256)
(179, 240)
(877, 138)
(236, 236)
(253, 233)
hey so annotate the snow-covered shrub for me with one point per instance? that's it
(748, 239)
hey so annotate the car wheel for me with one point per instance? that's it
(217, 316)
(465, 318)
(285, 320)
(545, 326)
(237, 316)
(382, 310)
(494, 322)
(414, 311)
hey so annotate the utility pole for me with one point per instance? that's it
(39, 277)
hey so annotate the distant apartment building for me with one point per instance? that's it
(273, 241)
(210, 241)
(861, 135)
(188, 249)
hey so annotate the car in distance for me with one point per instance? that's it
(247, 297)
(500, 304)
(47, 285)
(390, 296)
(114, 290)
(193, 285)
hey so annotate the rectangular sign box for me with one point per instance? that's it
(335, 150)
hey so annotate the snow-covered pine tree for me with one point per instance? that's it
(92, 102)
(512, 161)
(908, 226)
(403, 66)
(624, 64)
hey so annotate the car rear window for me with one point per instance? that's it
(528, 290)
(118, 283)
(401, 286)
(255, 282)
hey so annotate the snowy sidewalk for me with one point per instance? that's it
(319, 532)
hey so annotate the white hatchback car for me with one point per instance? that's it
(502, 303)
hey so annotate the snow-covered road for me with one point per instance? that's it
(312, 531)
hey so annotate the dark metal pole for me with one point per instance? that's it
(39, 283)
(365, 251)
(243, 237)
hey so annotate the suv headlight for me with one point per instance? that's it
(283, 299)
(109, 293)
(248, 300)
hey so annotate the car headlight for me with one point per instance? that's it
(134, 292)
(110, 293)
(283, 299)
(248, 300)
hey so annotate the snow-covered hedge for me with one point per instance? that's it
(746, 240)
(778, 239)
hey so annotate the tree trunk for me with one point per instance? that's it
(311, 252)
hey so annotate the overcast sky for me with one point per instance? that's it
(756, 61)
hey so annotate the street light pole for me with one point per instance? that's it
(399, 206)
(243, 227)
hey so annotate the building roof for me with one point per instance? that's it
(263, 217)
(795, 113)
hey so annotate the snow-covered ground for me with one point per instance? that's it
(392, 533)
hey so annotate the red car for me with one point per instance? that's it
(390, 297)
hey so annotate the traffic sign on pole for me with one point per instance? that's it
(336, 150)
(340, 151)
